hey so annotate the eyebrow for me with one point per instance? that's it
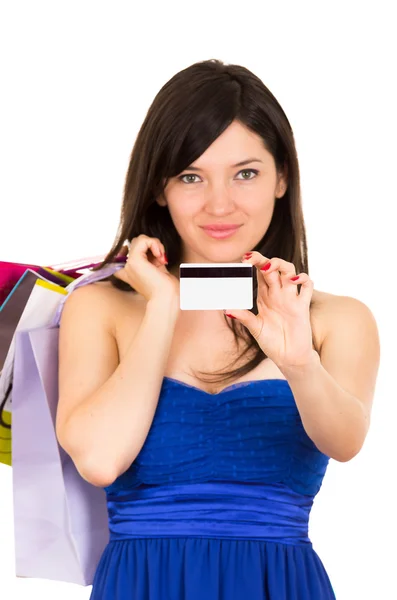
(240, 164)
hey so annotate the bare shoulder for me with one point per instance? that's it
(351, 346)
(322, 299)
(331, 313)
(90, 298)
(333, 308)
(124, 309)
(347, 325)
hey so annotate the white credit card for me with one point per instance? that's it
(216, 286)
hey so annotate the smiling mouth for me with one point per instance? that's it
(220, 234)
(220, 227)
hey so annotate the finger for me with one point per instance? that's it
(258, 260)
(283, 267)
(161, 252)
(146, 248)
(252, 322)
(156, 249)
(151, 251)
(278, 272)
(307, 286)
(154, 246)
(271, 271)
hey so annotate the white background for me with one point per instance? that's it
(77, 79)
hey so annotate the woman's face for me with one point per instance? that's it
(215, 189)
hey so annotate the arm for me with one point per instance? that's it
(334, 392)
(105, 407)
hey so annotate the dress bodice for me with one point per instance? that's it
(216, 504)
(249, 432)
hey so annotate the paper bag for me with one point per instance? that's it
(61, 521)
(31, 303)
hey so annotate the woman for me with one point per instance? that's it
(210, 486)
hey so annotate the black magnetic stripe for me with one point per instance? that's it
(215, 272)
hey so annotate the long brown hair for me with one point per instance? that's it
(190, 111)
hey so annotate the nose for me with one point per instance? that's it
(218, 199)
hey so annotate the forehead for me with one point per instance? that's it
(236, 134)
(236, 144)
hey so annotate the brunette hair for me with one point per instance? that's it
(189, 112)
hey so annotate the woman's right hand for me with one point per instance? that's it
(145, 269)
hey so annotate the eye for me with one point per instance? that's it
(254, 171)
(181, 178)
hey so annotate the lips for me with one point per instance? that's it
(221, 227)
(221, 232)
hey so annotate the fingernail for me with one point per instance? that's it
(165, 258)
(294, 278)
(266, 267)
(231, 316)
(247, 255)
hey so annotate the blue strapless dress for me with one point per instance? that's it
(216, 505)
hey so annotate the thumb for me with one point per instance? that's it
(248, 319)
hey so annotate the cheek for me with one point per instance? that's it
(256, 207)
(256, 196)
(183, 208)
(183, 218)
(263, 199)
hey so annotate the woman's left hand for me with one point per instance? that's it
(282, 326)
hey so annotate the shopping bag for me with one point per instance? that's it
(11, 273)
(60, 520)
(17, 281)
(33, 304)
(25, 307)
(13, 303)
